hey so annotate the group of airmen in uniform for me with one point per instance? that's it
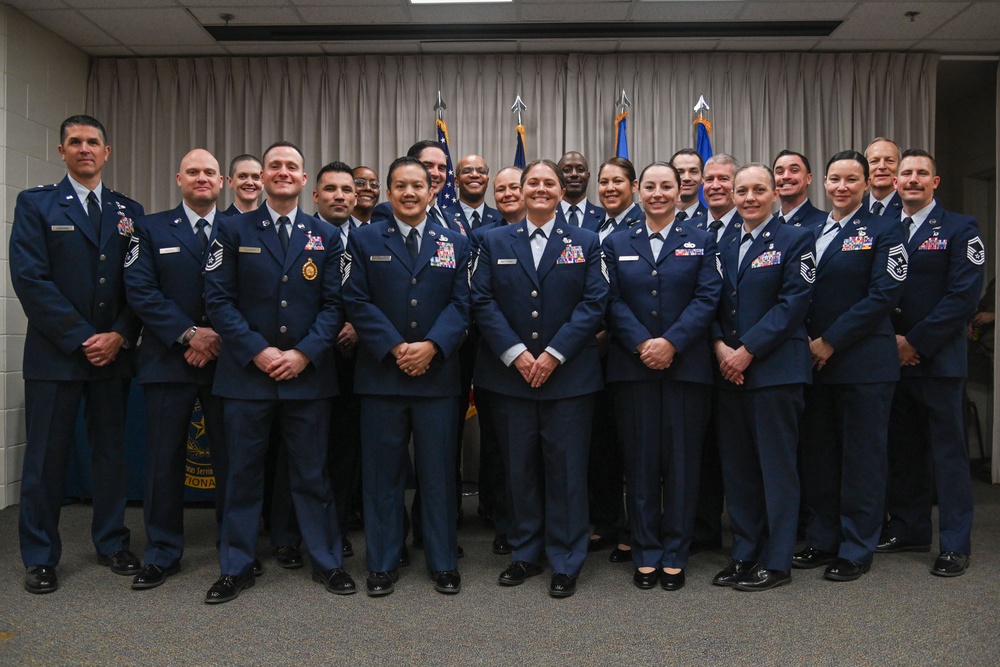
(805, 365)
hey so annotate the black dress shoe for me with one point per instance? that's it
(843, 569)
(618, 555)
(461, 551)
(229, 586)
(810, 557)
(893, 545)
(348, 549)
(258, 568)
(501, 546)
(733, 572)
(599, 543)
(337, 581)
(41, 579)
(448, 582)
(404, 557)
(151, 576)
(761, 579)
(122, 562)
(562, 585)
(381, 583)
(950, 564)
(289, 558)
(517, 572)
(645, 580)
(671, 582)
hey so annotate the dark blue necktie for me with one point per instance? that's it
(283, 232)
(411, 245)
(94, 211)
(200, 234)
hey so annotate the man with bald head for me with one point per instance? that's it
(165, 287)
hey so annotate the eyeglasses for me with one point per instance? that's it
(465, 171)
(360, 183)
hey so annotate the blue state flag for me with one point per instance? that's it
(621, 138)
(519, 160)
(448, 196)
(704, 147)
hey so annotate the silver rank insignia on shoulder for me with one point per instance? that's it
(898, 261)
(976, 251)
(132, 253)
(807, 267)
(215, 257)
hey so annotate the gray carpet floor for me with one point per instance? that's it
(897, 615)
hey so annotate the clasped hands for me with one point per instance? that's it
(414, 359)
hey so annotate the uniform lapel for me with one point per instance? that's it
(640, 243)
(395, 244)
(675, 237)
(301, 228)
(757, 246)
(110, 217)
(521, 245)
(560, 239)
(428, 248)
(269, 235)
(181, 229)
(76, 212)
(847, 229)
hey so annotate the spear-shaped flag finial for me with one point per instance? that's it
(518, 107)
(440, 106)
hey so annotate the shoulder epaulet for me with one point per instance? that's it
(43, 188)
(126, 197)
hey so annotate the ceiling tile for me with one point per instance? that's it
(980, 21)
(170, 26)
(109, 51)
(490, 13)
(875, 20)
(686, 11)
(572, 12)
(236, 8)
(803, 11)
(246, 15)
(354, 14)
(71, 26)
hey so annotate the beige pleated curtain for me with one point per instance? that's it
(369, 109)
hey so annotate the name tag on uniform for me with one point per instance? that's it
(380, 258)
(629, 258)
(169, 251)
(63, 228)
(249, 250)
(506, 262)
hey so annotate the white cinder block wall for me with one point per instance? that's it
(44, 81)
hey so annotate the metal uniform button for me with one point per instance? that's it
(653, 273)
(204, 318)
(734, 293)
(534, 335)
(534, 293)
(732, 313)
(102, 281)
(100, 305)
(284, 304)
(898, 311)
(283, 329)
(653, 313)
(413, 302)
(413, 281)
(653, 293)
(103, 257)
(733, 332)
(413, 325)
(534, 313)
(284, 279)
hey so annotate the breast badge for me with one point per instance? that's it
(310, 270)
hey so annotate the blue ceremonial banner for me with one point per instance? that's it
(519, 160)
(704, 145)
(448, 195)
(621, 138)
